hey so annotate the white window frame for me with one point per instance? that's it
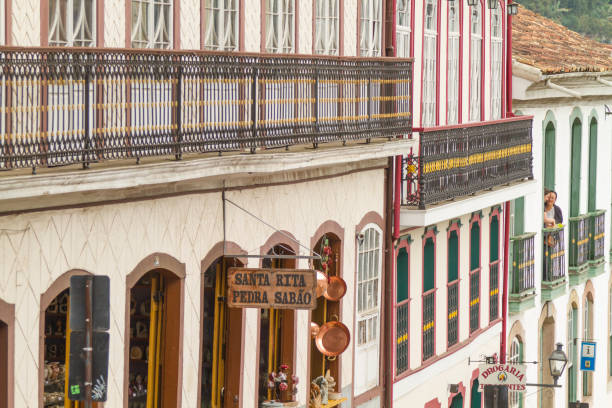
(370, 28)
(403, 28)
(515, 397)
(475, 62)
(221, 25)
(453, 80)
(68, 26)
(327, 27)
(369, 270)
(497, 49)
(280, 26)
(430, 63)
(152, 29)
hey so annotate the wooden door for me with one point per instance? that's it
(575, 168)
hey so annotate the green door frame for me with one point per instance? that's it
(592, 164)
(575, 167)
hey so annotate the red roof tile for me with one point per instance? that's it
(553, 48)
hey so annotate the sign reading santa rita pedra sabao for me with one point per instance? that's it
(271, 288)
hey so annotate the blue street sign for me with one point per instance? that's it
(587, 356)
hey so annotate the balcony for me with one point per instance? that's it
(466, 159)
(522, 273)
(597, 235)
(553, 265)
(78, 106)
(578, 249)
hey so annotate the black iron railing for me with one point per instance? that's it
(597, 234)
(474, 300)
(464, 159)
(429, 308)
(578, 243)
(553, 268)
(66, 106)
(522, 273)
(493, 290)
(401, 331)
(453, 313)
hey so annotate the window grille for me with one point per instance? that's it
(152, 24)
(280, 26)
(327, 27)
(221, 25)
(370, 28)
(71, 23)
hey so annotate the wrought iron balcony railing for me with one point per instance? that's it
(553, 268)
(579, 243)
(67, 106)
(522, 273)
(597, 234)
(401, 331)
(459, 160)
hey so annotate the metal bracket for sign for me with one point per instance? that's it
(270, 256)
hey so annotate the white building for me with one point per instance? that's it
(301, 142)
(561, 288)
(473, 157)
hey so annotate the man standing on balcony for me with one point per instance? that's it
(552, 212)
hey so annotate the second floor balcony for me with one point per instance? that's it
(80, 106)
(553, 262)
(586, 246)
(488, 161)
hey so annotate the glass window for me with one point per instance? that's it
(515, 398)
(452, 99)
(475, 61)
(280, 26)
(152, 24)
(327, 27)
(404, 28)
(370, 28)
(221, 26)
(497, 46)
(369, 265)
(71, 23)
(430, 63)
(453, 289)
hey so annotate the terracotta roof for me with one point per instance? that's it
(553, 48)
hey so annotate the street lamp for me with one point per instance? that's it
(557, 361)
(492, 4)
(472, 3)
(512, 9)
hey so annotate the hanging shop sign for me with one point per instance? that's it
(587, 356)
(271, 288)
(512, 375)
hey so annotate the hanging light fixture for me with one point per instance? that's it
(557, 362)
(512, 9)
(472, 3)
(492, 4)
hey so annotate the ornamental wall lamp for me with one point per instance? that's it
(492, 4)
(512, 9)
(472, 3)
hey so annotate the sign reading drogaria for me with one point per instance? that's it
(271, 288)
(512, 375)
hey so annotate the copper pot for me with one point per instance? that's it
(336, 289)
(314, 329)
(322, 283)
(333, 338)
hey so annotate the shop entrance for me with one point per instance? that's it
(154, 336)
(276, 332)
(56, 351)
(326, 310)
(4, 365)
(222, 340)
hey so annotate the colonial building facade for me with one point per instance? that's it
(560, 276)
(182, 138)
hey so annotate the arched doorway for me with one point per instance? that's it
(326, 310)
(457, 401)
(276, 329)
(54, 349)
(222, 337)
(7, 353)
(154, 304)
(546, 346)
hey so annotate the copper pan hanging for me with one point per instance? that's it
(336, 289)
(332, 339)
(314, 329)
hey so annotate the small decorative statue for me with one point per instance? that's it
(322, 383)
(284, 386)
(315, 396)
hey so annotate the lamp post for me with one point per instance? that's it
(557, 362)
(472, 3)
(512, 9)
(492, 4)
